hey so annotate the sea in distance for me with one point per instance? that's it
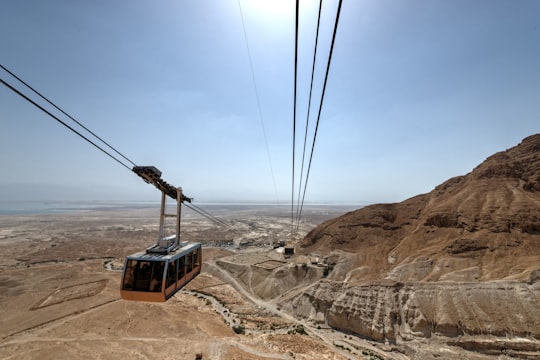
(49, 207)
(62, 207)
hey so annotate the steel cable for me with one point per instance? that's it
(308, 113)
(321, 104)
(62, 122)
(294, 113)
(12, 88)
(258, 103)
(206, 214)
(65, 113)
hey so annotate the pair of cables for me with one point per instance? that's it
(108, 149)
(296, 217)
(27, 98)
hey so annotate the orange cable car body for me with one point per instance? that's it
(157, 277)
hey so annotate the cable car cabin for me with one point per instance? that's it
(156, 277)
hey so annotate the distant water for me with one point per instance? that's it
(9, 207)
(60, 207)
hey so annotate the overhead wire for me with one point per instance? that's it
(294, 112)
(27, 98)
(62, 122)
(307, 116)
(258, 102)
(65, 113)
(205, 214)
(320, 105)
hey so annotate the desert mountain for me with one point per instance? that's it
(478, 227)
(458, 267)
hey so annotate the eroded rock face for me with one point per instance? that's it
(396, 312)
(270, 283)
(462, 261)
(488, 217)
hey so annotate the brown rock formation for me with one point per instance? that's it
(460, 263)
(481, 226)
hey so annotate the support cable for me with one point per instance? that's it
(258, 102)
(294, 113)
(321, 104)
(61, 122)
(66, 114)
(307, 117)
(191, 206)
(206, 214)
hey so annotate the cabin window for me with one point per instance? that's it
(189, 262)
(143, 271)
(129, 274)
(157, 276)
(196, 257)
(144, 275)
(171, 273)
(181, 267)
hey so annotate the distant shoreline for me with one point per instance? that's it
(64, 207)
(51, 207)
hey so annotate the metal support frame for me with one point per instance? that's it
(152, 175)
(167, 244)
(179, 196)
(162, 215)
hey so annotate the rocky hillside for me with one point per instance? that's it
(478, 227)
(457, 267)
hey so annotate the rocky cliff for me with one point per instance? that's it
(478, 227)
(461, 263)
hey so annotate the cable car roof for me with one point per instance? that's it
(185, 248)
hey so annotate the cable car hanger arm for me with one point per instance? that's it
(152, 175)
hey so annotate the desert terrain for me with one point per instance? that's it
(60, 277)
(450, 274)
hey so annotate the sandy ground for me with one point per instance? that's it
(59, 293)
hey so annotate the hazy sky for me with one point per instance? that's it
(418, 91)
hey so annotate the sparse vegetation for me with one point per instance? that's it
(342, 347)
(371, 355)
(239, 329)
(328, 269)
(298, 329)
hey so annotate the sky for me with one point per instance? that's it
(418, 91)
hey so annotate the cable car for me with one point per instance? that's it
(164, 268)
(149, 276)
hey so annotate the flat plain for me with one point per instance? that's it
(60, 276)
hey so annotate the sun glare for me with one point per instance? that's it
(270, 9)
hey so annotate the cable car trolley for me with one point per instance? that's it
(161, 270)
